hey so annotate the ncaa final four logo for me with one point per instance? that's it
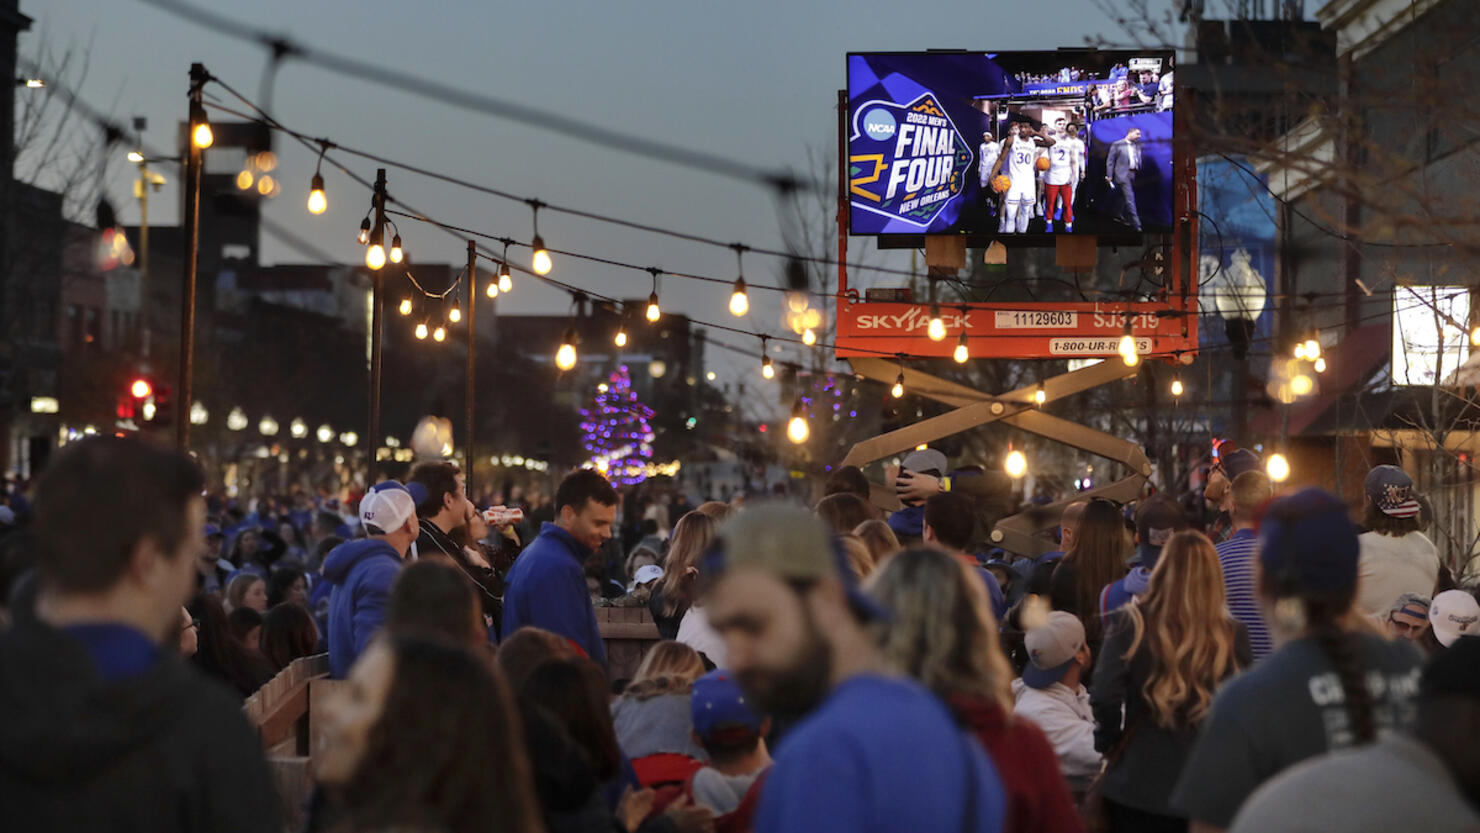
(920, 161)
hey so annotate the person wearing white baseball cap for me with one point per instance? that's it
(1396, 558)
(362, 571)
(1049, 694)
(1452, 614)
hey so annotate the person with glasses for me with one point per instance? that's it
(1409, 617)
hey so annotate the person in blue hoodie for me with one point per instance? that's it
(546, 587)
(1157, 518)
(362, 571)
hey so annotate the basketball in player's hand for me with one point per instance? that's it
(1042, 163)
(1001, 183)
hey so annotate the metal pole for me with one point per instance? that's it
(377, 304)
(472, 295)
(144, 260)
(198, 77)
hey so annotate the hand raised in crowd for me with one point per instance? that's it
(634, 807)
(689, 817)
(913, 486)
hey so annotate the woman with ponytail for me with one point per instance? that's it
(1333, 682)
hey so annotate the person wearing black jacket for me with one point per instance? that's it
(445, 509)
(106, 729)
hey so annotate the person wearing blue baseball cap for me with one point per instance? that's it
(872, 751)
(1331, 683)
(362, 571)
(733, 735)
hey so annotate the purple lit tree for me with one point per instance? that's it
(617, 430)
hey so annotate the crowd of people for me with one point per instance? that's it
(1251, 660)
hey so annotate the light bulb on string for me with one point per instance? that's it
(1127, 346)
(654, 312)
(809, 336)
(898, 390)
(244, 180)
(1320, 365)
(539, 259)
(364, 236)
(318, 203)
(493, 289)
(1312, 349)
(439, 334)
(200, 127)
(505, 280)
(405, 307)
(565, 357)
(375, 254)
(396, 253)
(796, 427)
(739, 301)
(768, 370)
(1016, 464)
(937, 327)
(421, 331)
(1040, 396)
(1177, 388)
(962, 351)
(455, 314)
(621, 337)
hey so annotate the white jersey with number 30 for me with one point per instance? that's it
(1022, 153)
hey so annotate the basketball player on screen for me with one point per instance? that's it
(1065, 170)
(1019, 153)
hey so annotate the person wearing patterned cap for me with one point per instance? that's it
(1396, 557)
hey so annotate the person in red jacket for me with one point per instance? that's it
(936, 602)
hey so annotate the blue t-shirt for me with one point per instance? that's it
(881, 754)
(1236, 555)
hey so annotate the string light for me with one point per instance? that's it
(421, 331)
(244, 180)
(455, 314)
(405, 307)
(1277, 467)
(739, 301)
(898, 390)
(1312, 349)
(493, 288)
(937, 328)
(396, 253)
(200, 130)
(621, 338)
(539, 260)
(962, 352)
(565, 357)
(1040, 395)
(439, 334)
(1320, 364)
(375, 254)
(796, 427)
(767, 369)
(1177, 387)
(364, 235)
(809, 336)
(1016, 464)
(1127, 346)
(653, 311)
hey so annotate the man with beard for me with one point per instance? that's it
(873, 751)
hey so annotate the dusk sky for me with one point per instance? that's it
(755, 81)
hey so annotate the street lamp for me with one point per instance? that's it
(1239, 295)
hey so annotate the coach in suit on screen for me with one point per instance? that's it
(1121, 165)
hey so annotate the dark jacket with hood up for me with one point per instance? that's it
(165, 750)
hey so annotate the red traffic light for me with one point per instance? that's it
(141, 389)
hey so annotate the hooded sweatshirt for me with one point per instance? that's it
(362, 573)
(161, 750)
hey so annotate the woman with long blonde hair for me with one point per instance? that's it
(652, 719)
(692, 536)
(943, 634)
(1161, 662)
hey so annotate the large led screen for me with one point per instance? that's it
(1010, 143)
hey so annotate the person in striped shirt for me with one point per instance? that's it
(1249, 492)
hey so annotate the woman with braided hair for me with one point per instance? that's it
(1333, 682)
